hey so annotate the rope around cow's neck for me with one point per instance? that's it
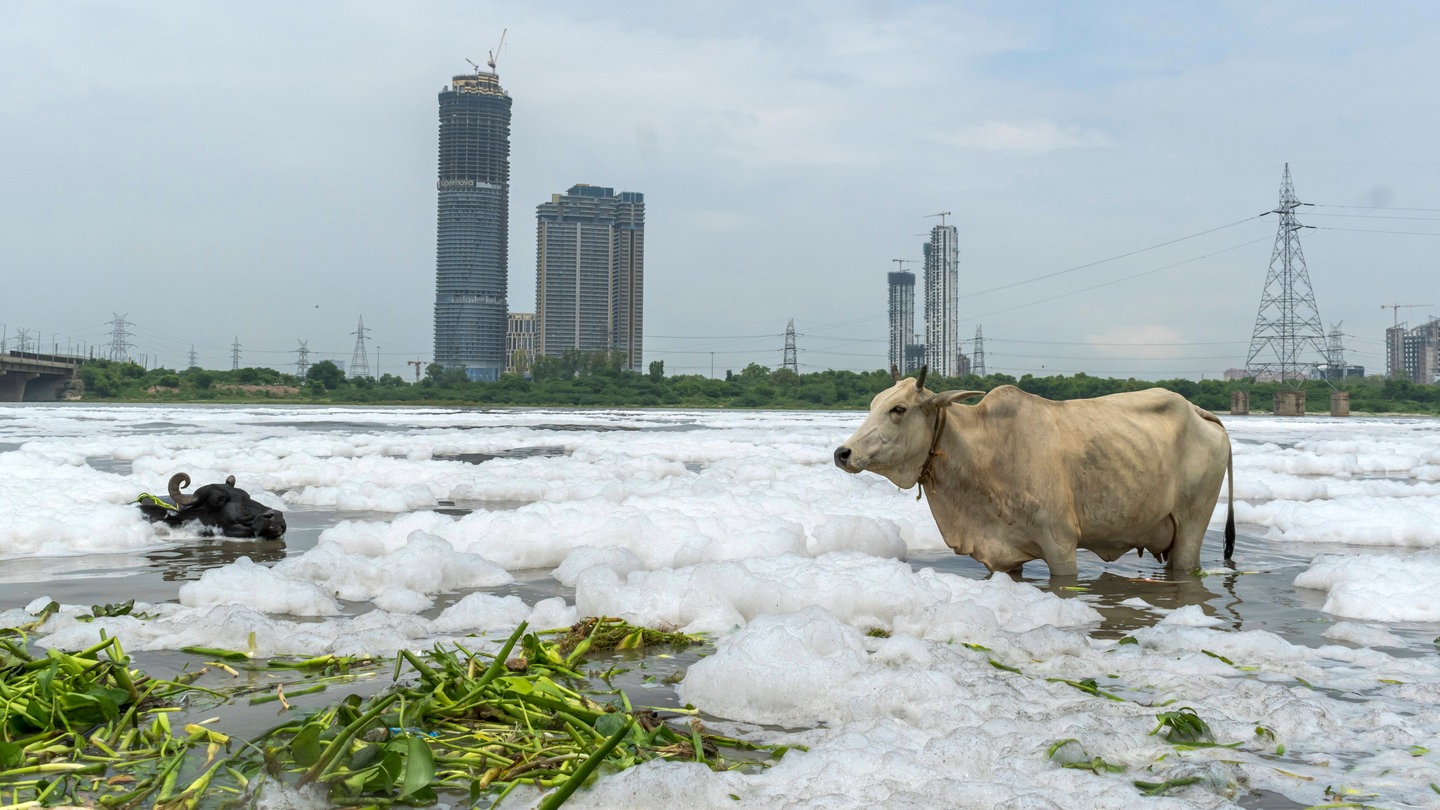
(934, 451)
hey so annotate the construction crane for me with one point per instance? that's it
(903, 262)
(417, 364)
(1398, 307)
(941, 215)
(495, 54)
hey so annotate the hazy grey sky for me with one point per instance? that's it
(266, 170)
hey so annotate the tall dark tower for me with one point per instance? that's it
(472, 226)
(902, 315)
(1288, 323)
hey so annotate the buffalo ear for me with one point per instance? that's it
(951, 397)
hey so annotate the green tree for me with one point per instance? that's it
(327, 374)
(657, 370)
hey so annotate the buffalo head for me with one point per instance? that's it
(220, 507)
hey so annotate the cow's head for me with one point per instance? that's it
(227, 508)
(898, 436)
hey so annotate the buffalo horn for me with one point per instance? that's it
(230, 480)
(894, 373)
(177, 481)
(920, 379)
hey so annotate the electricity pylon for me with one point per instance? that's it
(1287, 325)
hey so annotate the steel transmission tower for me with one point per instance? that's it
(790, 360)
(119, 350)
(977, 363)
(1335, 348)
(1288, 322)
(193, 361)
(359, 362)
(302, 366)
(235, 354)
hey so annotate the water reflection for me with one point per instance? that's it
(1109, 593)
(187, 562)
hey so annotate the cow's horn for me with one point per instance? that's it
(920, 378)
(894, 373)
(230, 480)
(177, 481)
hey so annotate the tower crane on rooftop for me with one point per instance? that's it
(903, 262)
(495, 54)
(1398, 307)
(941, 215)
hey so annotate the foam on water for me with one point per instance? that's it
(902, 683)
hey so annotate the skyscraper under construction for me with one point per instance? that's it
(942, 300)
(472, 226)
(902, 318)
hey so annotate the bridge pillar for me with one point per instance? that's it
(12, 385)
(1239, 403)
(1339, 403)
(1290, 402)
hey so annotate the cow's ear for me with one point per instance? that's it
(944, 398)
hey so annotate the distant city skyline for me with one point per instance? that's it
(217, 173)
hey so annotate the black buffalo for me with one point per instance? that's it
(223, 508)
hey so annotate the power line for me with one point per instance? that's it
(1120, 280)
(1113, 258)
(1374, 230)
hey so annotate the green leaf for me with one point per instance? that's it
(609, 723)
(1183, 726)
(305, 746)
(215, 652)
(419, 769)
(1159, 788)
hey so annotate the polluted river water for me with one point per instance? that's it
(836, 618)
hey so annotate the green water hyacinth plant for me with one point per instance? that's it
(82, 728)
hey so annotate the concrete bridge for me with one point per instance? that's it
(32, 377)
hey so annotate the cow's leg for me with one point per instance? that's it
(1062, 566)
(1058, 549)
(1185, 550)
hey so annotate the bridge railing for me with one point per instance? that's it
(59, 359)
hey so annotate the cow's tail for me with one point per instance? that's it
(1230, 505)
(1230, 476)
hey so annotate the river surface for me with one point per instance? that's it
(531, 492)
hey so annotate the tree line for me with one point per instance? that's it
(600, 379)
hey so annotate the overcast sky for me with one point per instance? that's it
(266, 170)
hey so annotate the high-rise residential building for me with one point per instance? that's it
(1418, 351)
(472, 226)
(942, 301)
(590, 273)
(902, 317)
(520, 342)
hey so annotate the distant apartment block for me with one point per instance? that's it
(902, 318)
(1414, 353)
(942, 300)
(590, 273)
(520, 343)
(472, 226)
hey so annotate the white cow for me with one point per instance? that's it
(1017, 477)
